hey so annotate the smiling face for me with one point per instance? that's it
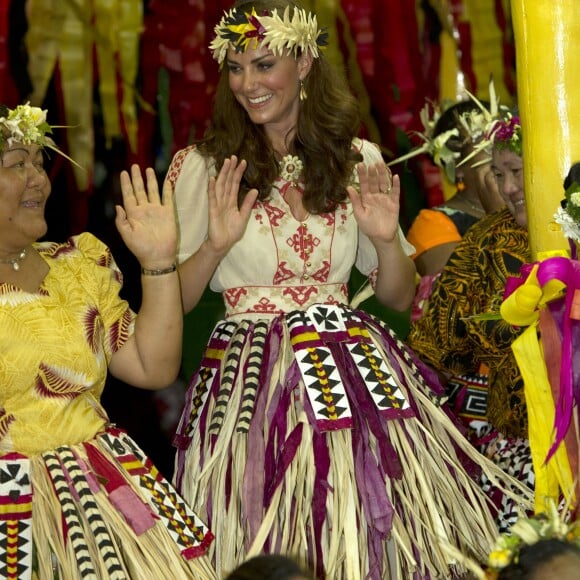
(508, 169)
(24, 189)
(267, 87)
(478, 178)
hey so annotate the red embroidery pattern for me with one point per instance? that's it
(264, 305)
(330, 218)
(294, 242)
(177, 164)
(283, 274)
(233, 295)
(300, 294)
(310, 242)
(302, 242)
(322, 274)
(275, 214)
(332, 300)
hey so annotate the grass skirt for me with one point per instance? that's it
(98, 509)
(316, 435)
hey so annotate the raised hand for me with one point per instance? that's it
(376, 206)
(146, 221)
(227, 222)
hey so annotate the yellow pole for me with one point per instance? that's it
(547, 37)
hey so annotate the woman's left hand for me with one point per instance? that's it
(376, 207)
(146, 221)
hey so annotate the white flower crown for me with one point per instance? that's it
(480, 125)
(24, 124)
(242, 31)
(27, 125)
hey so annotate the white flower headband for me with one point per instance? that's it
(24, 124)
(242, 31)
(434, 146)
(27, 125)
(479, 125)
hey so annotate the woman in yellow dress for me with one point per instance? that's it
(78, 497)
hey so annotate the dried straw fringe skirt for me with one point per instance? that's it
(315, 435)
(96, 510)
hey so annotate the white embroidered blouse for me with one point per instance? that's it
(280, 264)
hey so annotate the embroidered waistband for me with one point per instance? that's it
(270, 301)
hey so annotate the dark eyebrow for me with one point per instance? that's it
(254, 60)
(13, 150)
(39, 154)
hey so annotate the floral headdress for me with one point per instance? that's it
(27, 125)
(474, 123)
(506, 132)
(568, 214)
(501, 131)
(242, 31)
(527, 532)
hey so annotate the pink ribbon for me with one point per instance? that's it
(566, 271)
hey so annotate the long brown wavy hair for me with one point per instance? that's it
(328, 121)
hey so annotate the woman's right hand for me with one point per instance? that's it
(227, 222)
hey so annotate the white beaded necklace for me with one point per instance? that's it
(15, 262)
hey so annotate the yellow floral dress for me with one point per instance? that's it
(78, 498)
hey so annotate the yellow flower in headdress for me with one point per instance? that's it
(499, 558)
(245, 31)
(24, 124)
(527, 531)
(27, 125)
(247, 34)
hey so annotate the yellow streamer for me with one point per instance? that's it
(42, 41)
(65, 32)
(556, 475)
(57, 29)
(118, 60)
(106, 12)
(129, 35)
(521, 308)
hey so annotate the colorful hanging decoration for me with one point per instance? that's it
(180, 75)
(62, 37)
(4, 72)
(542, 300)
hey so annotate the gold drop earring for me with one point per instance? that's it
(303, 96)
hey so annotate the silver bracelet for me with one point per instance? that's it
(160, 272)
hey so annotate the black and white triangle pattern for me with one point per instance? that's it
(330, 405)
(14, 484)
(385, 396)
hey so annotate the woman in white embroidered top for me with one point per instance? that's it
(308, 428)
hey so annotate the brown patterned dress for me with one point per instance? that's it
(452, 337)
